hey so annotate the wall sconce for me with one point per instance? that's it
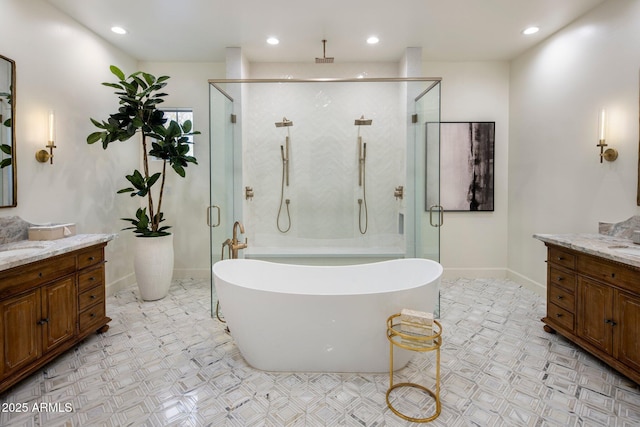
(42, 155)
(610, 154)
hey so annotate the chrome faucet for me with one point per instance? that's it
(235, 245)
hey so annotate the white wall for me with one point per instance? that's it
(556, 183)
(474, 244)
(186, 200)
(60, 66)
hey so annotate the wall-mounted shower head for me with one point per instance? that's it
(284, 123)
(363, 122)
(324, 59)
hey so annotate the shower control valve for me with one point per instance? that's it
(399, 192)
(248, 193)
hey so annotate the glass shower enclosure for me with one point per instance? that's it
(331, 171)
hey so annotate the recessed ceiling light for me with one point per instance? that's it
(373, 40)
(118, 30)
(530, 30)
(273, 40)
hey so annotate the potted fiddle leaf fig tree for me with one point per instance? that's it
(139, 118)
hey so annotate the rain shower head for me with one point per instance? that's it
(363, 122)
(324, 59)
(284, 123)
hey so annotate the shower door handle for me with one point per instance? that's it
(440, 216)
(209, 216)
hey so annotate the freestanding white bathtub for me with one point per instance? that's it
(300, 318)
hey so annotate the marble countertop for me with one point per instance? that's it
(27, 251)
(618, 249)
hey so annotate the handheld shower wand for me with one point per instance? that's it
(363, 223)
(284, 154)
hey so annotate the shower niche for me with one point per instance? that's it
(323, 160)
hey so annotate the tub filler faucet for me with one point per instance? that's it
(235, 245)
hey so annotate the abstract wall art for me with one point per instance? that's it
(466, 166)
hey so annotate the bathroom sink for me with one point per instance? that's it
(627, 250)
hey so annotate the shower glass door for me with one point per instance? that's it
(220, 210)
(429, 213)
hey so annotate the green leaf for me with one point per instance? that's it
(113, 85)
(117, 72)
(137, 180)
(5, 148)
(174, 130)
(150, 79)
(94, 137)
(152, 179)
(143, 85)
(97, 123)
(179, 170)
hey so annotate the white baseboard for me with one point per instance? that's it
(192, 273)
(497, 273)
(120, 284)
(471, 273)
(534, 286)
(130, 279)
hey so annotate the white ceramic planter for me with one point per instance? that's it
(153, 265)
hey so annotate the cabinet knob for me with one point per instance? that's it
(93, 315)
(93, 297)
(43, 321)
(558, 314)
(91, 258)
(560, 278)
(560, 297)
(91, 279)
(610, 322)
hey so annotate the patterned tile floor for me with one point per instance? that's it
(169, 363)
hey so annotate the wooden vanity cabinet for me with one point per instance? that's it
(47, 307)
(602, 313)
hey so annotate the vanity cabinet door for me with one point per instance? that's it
(59, 312)
(595, 314)
(20, 335)
(627, 329)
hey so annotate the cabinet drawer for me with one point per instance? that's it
(561, 257)
(561, 297)
(560, 316)
(609, 272)
(91, 316)
(90, 257)
(91, 278)
(21, 278)
(91, 297)
(563, 279)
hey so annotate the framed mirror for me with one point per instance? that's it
(8, 172)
